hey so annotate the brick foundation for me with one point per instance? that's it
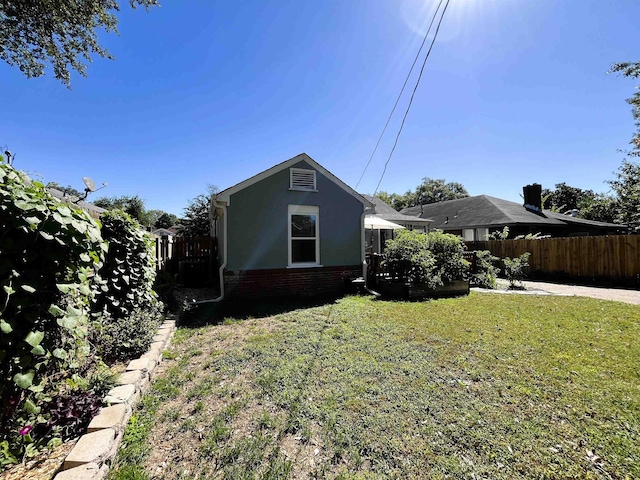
(290, 281)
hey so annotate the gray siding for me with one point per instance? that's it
(258, 215)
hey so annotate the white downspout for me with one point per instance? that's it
(216, 205)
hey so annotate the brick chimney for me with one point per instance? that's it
(533, 197)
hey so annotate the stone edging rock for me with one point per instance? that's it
(91, 457)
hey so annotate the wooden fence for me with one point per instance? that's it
(598, 257)
(190, 258)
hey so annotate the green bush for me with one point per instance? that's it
(48, 253)
(407, 257)
(127, 309)
(486, 269)
(124, 338)
(432, 259)
(448, 250)
(516, 269)
(128, 273)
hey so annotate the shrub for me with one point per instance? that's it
(127, 309)
(408, 258)
(486, 269)
(432, 259)
(500, 234)
(69, 414)
(448, 250)
(48, 252)
(516, 269)
(124, 338)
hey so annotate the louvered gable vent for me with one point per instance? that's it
(303, 179)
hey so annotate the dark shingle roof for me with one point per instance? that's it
(387, 212)
(479, 211)
(582, 221)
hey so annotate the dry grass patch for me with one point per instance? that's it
(484, 386)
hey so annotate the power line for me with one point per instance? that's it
(435, 36)
(424, 40)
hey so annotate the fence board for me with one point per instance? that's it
(608, 257)
(181, 248)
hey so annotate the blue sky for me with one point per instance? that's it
(213, 92)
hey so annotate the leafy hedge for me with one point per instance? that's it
(432, 259)
(72, 289)
(127, 277)
(48, 253)
(127, 309)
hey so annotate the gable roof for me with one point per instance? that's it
(164, 232)
(479, 211)
(387, 212)
(225, 195)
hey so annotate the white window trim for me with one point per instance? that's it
(303, 210)
(302, 189)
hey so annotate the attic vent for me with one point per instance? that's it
(303, 179)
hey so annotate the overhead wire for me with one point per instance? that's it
(435, 36)
(406, 80)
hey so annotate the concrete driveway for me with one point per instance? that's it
(546, 288)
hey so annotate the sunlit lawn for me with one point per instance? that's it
(485, 386)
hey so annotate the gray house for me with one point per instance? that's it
(294, 229)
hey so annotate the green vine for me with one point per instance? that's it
(49, 252)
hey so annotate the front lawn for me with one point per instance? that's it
(485, 386)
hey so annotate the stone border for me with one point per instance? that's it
(91, 457)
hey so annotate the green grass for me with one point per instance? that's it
(484, 386)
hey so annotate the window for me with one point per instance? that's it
(301, 179)
(304, 238)
(467, 234)
(475, 234)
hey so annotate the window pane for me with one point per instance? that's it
(467, 234)
(303, 251)
(303, 225)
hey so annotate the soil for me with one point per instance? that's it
(180, 295)
(42, 467)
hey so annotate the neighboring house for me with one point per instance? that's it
(375, 237)
(475, 218)
(90, 208)
(294, 229)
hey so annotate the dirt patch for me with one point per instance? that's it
(42, 467)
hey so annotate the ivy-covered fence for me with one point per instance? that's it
(68, 283)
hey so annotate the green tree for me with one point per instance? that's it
(627, 182)
(429, 191)
(627, 188)
(602, 207)
(166, 220)
(436, 190)
(62, 34)
(195, 221)
(565, 198)
(398, 202)
(134, 206)
(632, 70)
